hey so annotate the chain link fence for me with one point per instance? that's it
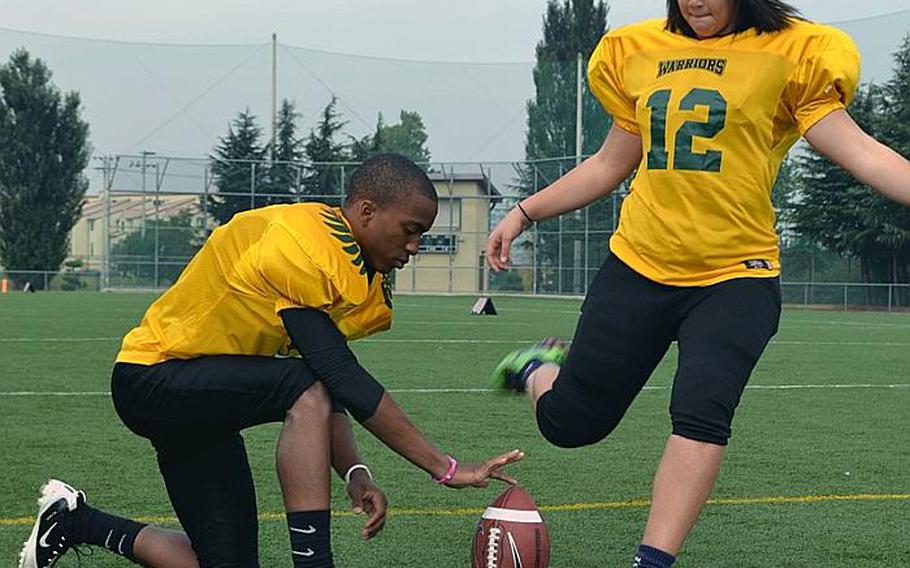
(154, 212)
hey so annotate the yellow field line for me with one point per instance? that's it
(631, 504)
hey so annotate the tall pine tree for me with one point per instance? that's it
(838, 212)
(841, 214)
(285, 171)
(43, 151)
(325, 178)
(237, 168)
(894, 219)
(570, 28)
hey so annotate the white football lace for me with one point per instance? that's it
(492, 545)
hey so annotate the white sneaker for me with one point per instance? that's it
(48, 541)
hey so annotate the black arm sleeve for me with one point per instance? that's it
(326, 351)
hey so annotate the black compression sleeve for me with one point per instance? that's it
(326, 351)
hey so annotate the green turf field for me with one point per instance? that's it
(817, 474)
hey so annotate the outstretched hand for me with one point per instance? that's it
(479, 474)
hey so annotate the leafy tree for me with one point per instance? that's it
(570, 28)
(363, 148)
(43, 151)
(322, 150)
(178, 240)
(408, 138)
(234, 168)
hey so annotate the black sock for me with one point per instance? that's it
(650, 557)
(311, 539)
(87, 525)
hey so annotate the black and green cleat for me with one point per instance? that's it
(512, 372)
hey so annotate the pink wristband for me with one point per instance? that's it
(447, 477)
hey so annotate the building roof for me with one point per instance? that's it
(485, 183)
(132, 207)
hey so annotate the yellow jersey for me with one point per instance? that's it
(716, 118)
(227, 300)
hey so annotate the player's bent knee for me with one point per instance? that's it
(312, 404)
(563, 439)
(569, 428)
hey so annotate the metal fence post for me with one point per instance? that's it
(106, 227)
(253, 185)
(587, 249)
(157, 222)
(559, 256)
(535, 236)
(450, 186)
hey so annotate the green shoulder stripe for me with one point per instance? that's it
(340, 231)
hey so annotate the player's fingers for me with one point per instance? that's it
(357, 505)
(372, 525)
(496, 474)
(505, 459)
(375, 522)
(373, 528)
(376, 516)
(504, 259)
(493, 246)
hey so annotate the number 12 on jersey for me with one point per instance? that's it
(683, 156)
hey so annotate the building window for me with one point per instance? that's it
(448, 217)
(91, 225)
(446, 244)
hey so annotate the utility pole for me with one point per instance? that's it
(579, 118)
(145, 154)
(274, 137)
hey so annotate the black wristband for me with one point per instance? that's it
(525, 213)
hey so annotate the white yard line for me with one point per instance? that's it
(787, 322)
(483, 390)
(57, 339)
(466, 341)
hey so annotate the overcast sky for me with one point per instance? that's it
(461, 30)
(176, 93)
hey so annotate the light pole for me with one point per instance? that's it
(145, 154)
(157, 219)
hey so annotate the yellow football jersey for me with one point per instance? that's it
(228, 298)
(716, 118)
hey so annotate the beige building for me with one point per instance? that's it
(451, 253)
(126, 215)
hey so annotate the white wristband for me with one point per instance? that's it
(352, 469)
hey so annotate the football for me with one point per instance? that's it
(511, 534)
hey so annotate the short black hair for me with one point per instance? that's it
(763, 15)
(387, 178)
